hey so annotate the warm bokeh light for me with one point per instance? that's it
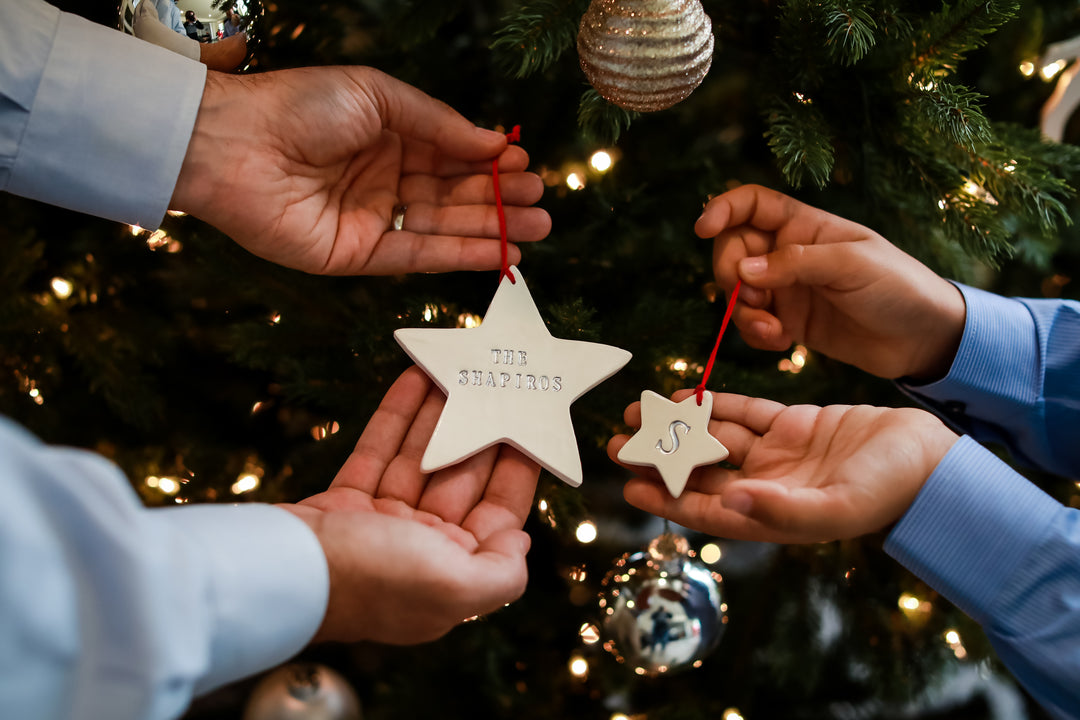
(732, 714)
(1027, 68)
(908, 602)
(61, 288)
(575, 181)
(710, 553)
(166, 485)
(1049, 70)
(590, 634)
(586, 532)
(245, 483)
(601, 161)
(468, 320)
(579, 667)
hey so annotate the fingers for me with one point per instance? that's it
(384, 434)
(737, 422)
(427, 159)
(412, 113)
(508, 495)
(401, 252)
(497, 571)
(517, 188)
(747, 205)
(523, 224)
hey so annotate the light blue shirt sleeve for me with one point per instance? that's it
(112, 610)
(1016, 379)
(994, 544)
(91, 119)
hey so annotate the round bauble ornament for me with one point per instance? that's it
(645, 55)
(303, 691)
(663, 609)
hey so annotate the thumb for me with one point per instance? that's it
(811, 265)
(410, 112)
(501, 573)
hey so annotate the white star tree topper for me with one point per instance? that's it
(509, 381)
(674, 438)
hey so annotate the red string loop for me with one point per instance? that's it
(511, 137)
(712, 357)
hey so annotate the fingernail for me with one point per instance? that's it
(753, 265)
(739, 502)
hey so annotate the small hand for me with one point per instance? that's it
(805, 474)
(834, 285)
(412, 554)
(305, 167)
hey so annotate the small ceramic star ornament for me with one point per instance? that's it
(509, 381)
(674, 438)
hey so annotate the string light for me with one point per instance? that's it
(1049, 70)
(590, 634)
(586, 532)
(431, 312)
(245, 483)
(796, 362)
(166, 485)
(468, 320)
(710, 553)
(913, 607)
(321, 432)
(601, 161)
(952, 639)
(275, 318)
(732, 714)
(61, 288)
(579, 667)
(575, 181)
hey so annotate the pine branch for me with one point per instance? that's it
(948, 110)
(600, 121)
(799, 137)
(536, 35)
(946, 37)
(850, 28)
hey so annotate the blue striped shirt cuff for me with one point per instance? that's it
(971, 527)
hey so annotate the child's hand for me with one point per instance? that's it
(814, 278)
(805, 473)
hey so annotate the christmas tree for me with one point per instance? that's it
(209, 375)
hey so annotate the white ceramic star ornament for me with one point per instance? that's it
(510, 381)
(674, 438)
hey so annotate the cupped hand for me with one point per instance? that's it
(804, 473)
(412, 554)
(305, 167)
(831, 284)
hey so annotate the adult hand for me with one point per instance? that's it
(412, 554)
(305, 167)
(832, 284)
(805, 473)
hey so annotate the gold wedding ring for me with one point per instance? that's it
(397, 220)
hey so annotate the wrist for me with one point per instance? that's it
(212, 150)
(939, 346)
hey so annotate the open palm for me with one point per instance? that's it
(309, 164)
(412, 554)
(804, 473)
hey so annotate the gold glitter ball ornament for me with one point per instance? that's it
(645, 55)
